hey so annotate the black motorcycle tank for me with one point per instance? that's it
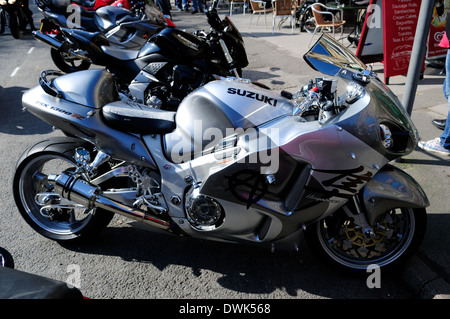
(180, 45)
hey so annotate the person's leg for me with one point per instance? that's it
(441, 144)
(194, 6)
(445, 136)
(185, 5)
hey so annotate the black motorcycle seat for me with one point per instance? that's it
(80, 36)
(138, 118)
(120, 54)
(127, 18)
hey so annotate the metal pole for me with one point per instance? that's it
(417, 54)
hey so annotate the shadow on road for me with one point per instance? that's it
(13, 120)
(242, 268)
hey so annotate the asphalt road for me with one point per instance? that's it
(127, 262)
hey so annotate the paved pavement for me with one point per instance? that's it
(427, 273)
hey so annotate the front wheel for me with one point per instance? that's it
(2, 21)
(396, 235)
(14, 25)
(42, 208)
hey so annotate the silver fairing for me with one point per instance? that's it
(78, 113)
(91, 88)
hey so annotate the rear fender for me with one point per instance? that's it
(391, 188)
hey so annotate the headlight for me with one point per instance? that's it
(2, 2)
(386, 136)
(11, 1)
(354, 92)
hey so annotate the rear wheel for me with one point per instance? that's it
(396, 235)
(67, 62)
(43, 209)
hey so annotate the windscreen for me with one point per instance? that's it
(153, 13)
(329, 57)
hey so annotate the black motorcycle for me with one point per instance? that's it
(170, 65)
(17, 15)
(126, 29)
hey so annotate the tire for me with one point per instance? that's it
(52, 220)
(6, 260)
(14, 25)
(68, 63)
(22, 20)
(337, 241)
(2, 21)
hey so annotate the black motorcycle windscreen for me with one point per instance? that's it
(154, 14)
(329, 57)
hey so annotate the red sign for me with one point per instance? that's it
(399, 28)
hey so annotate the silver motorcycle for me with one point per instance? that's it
(235, 163)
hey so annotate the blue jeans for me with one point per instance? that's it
(197, 5)
(445, 137)
(182, 4)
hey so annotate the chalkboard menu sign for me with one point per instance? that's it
(399, 27)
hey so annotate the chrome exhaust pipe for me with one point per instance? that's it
(47, 39)
(81, 192)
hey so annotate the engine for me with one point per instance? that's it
(174, 83)
(203, 212)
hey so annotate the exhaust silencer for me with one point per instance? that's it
(47, 39)
(78, 190)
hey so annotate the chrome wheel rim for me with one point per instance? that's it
(43, 206)
(345, 243)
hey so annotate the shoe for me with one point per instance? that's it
(193, 12)
(434, 146)
(440, 124)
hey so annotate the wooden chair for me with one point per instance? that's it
(259, 7)
(283, 9)
(242, 3)
(319, 12)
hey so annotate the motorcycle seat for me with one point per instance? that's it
(120, 54)
(138, 118)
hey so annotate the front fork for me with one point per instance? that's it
(359, 217)
(228, 57)
(388, 189)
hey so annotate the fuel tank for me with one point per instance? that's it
(180, 45)
(217, 110)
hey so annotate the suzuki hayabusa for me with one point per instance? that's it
(235, 163)
(171, 64)
(123, 28)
